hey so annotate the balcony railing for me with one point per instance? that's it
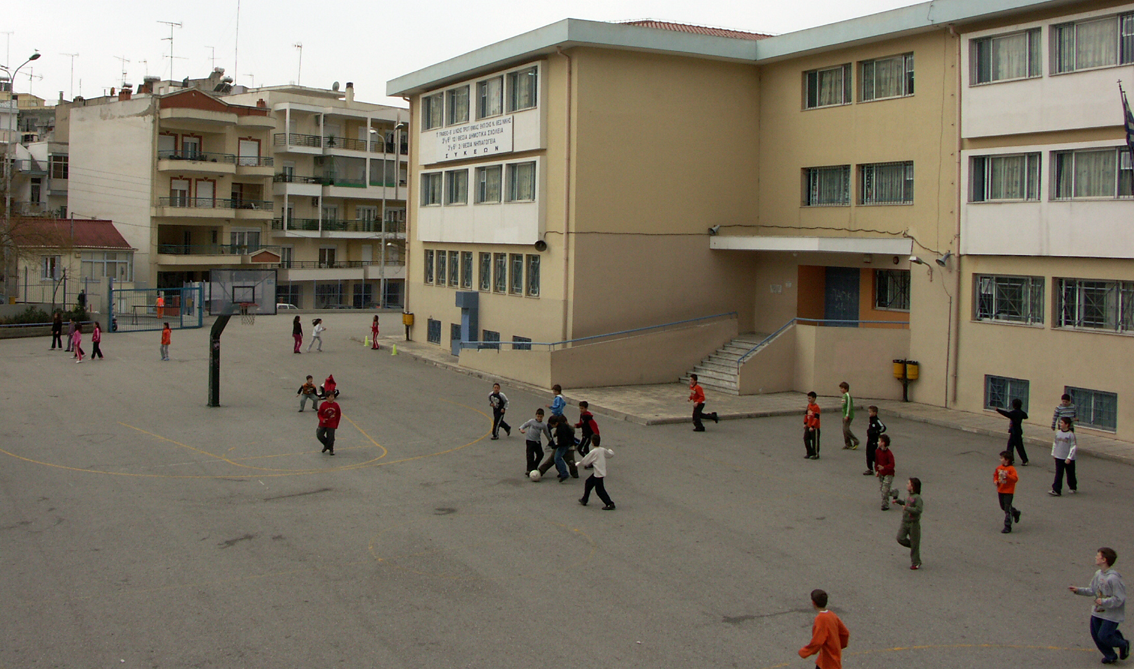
(296, 139)
(289, 178)
(255, 161)
(306, 224)
(214, 249)
(213, 203)
(345, 143)
(341, 225)
(197, 156)
(388, 147)
(342, 264)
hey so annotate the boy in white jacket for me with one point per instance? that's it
(1063, 451)
(597, 457)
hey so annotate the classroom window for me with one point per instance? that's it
(533, 276)
(1093, 173)
(1095, 305)
(118, 265)
(428, 266)
(454, 265)
(466, 269)
(516, 285)
(458, 104)
(490, 97)
(500, 272)
(488, 184)
(886, 183)
(999, 391)
(828, 87)
(485, 271)
(433, 331)
(490, 336)
(1006, 57)
(432, 111)
(50, 266)
(521, 182)
(886, 78)
(1095, 408)
(1084, 45)
(431, 189)
(522, 89)
(1014, 299)
(442, 265)
(826, 186)
(457, 187)
(1005, 178)
(892, 289)
(521, 343)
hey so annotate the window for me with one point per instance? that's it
(431, 189)
(1101, 173)
(466, 270)
(432, 111)
(287, 256)
(59, 167)
(457, 187)
(826, 186)
(490, 336)
(500, 272)
(118, 265)
(488, 184)
(533, 276)
(429, 267)
(887, 78)
(886, 183)
(442, 265)
(1006, 57)
(516, 286)
(522, 89)
(485, 271)
(454, 265)
(827, 88)
(999, 391)
(244, 240)
(1096, 305)
(458, 99)
(892, 289)
(1016, 299)
(327, 256)
(521, 343)
(287, 293)
(1005, 178)
(433, 331)
(490, 97)
(521, 182)
(1095, 408)
(1096, 43)
(50, 266)
(328, 295)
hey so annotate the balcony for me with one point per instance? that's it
(255, 166)
(343, 270)
(341, 227)
(297, 143)
(196, 117)
(207, 207)
(296, 225)
(196, 162)
(210, 254)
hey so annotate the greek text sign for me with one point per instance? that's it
(483, 138)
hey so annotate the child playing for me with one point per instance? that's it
(909, 534)
(96, 339)
(850, 441)
(308, 391)
(874, 429)
(166, 338)
(1016, 418)
(317, 331)
(884, 469)
(697, 397)
(558, 404)
(535, 439)
(829, 636)
(597, 458)
(1066, 409)
(329, 389)
(77, 342)
(590, 429)
(1063, 451)
(499, 403)
(329, 414)
(1005, 478)
(374, 334)
(811, 428)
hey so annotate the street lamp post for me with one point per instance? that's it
(10, 148)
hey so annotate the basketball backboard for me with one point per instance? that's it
(231, 288)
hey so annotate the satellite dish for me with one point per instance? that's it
(335, 86)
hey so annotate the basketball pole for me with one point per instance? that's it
(214, 354)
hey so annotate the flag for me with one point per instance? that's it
(1127, 121)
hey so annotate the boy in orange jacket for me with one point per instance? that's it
(166, 336)
(811, 428)
(1005, 478)
(829, 636)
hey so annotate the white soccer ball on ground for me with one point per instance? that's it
(534, 475)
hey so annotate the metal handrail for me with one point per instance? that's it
(297, 139)
(196, 156)
(214, 249)
(793, 321)
(528, 344)
(341, 264)
(255, 161)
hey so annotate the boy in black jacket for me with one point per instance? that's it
(589, 427)
(874, 429)
(1016, 418)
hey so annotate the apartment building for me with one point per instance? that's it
(203, 176)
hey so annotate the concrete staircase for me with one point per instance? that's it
(718, 371)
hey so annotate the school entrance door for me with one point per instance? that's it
(840, 297)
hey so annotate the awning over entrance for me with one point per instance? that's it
(897, 247)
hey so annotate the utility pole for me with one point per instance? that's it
(171, 25)
(72, 56)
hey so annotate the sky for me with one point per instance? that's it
(367, 42)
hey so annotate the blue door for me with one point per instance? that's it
(840, 299)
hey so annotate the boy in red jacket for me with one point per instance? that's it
(829, 636)
(329, 414)
(884, 468)
(1005, 478)
(811, 428)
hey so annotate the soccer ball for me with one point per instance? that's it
(534, 475)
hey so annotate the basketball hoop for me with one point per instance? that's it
(248, 313)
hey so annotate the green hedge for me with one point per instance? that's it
(35, 315)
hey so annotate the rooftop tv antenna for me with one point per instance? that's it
(299, 74)
(122, 60)
(171, 25)
(72, 56)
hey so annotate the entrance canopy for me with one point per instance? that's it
(896, 247)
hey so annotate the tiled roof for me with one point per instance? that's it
(67, 233)
(695, 30)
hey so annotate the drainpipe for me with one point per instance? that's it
(409, 181)
(566, 193)
(953, 349)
